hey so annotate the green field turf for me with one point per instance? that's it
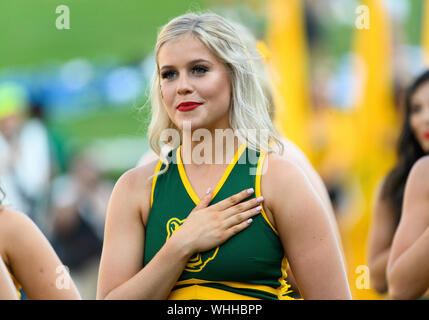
(99, 29)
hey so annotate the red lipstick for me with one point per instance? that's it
(426, 135)
(188, 106)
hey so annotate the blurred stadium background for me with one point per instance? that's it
(338, 93)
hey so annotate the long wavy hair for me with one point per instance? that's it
(409, 151)
(249, 105)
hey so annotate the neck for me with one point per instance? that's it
(205, 147)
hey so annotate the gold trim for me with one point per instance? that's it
(222, 180)
(258, 188)
(157, 168)
(206, 293)
(17, 285)
(238, 285)
(283, 289)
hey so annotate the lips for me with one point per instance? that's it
(426, 135)
(188, 106)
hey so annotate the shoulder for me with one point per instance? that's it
(421, 168)
(418, 179)
(132, 191)
(283, 180)
(281, 171)
(16, 228)
(12, 221)
(137, 178)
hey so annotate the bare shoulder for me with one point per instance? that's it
(282, 180)
(136, 181)
(14, 222)
(15, 229)
(282, 172)
(138, 177)
(417, 186)
(420, 170)
(133, 189)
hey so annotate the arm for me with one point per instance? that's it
(408, 267)
(380, 239)
(32, 260)
(7, 289)
(122, 275)
(305, 231)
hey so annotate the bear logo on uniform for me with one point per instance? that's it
(199, 260)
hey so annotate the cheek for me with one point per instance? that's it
(414, 123)
(167, 94)
(219, 91)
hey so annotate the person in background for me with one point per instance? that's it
(390, 206)
(79, 203)
(28, 258)
(408, 265)
(25, 159)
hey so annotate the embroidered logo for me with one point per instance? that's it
(199, 260)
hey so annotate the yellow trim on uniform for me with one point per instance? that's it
(283, 289)
(16, 284)
(157, 168)
(222, 180)
(197, 292)
(238, 285)
(258, 188)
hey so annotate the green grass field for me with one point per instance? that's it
(98, 29)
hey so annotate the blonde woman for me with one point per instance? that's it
(28, 261)
(166, 237)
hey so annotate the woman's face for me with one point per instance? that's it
(419, 115)
(195, 85)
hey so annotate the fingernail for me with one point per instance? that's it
(249, 221)
(260, 199)
(208, 190)
(258, 208)
(250, 191)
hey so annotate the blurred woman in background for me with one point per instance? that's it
(30, 261)
(389, 206)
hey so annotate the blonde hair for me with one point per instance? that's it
(249, 105)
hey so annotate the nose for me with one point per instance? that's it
(184, 86)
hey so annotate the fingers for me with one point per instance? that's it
(233, 200)
(238, 218)
(238, 227)
(204, 202)
(241, 207)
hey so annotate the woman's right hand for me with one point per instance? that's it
(206, 227)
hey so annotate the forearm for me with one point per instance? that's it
(378, 271)
(408, 276)
(157, 278)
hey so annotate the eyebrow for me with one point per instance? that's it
(190, 63)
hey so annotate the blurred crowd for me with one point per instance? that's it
(68, 205)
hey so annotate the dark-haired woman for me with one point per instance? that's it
(389, 206)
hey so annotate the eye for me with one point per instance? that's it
(198, 69)
(168, 74)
